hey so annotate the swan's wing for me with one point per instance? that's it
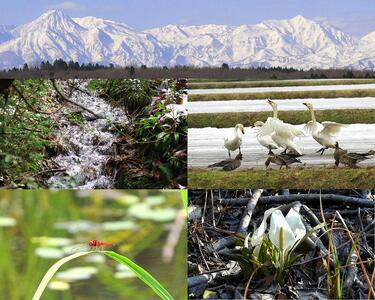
(229, 137)
(331, 128)
(287, 131)
(294, 130)
(266, 129)
(280, 128)
(312, 126)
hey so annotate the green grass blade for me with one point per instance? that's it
(48, 276)
(141, 274)
(184, 197)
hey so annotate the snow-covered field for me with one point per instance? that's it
(284, 89)
(287, 104)
(206, 146)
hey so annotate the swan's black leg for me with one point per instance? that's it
(269, 150)
(229, 153)
(321, 150)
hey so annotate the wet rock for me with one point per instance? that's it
(88, 173)
(99, 140)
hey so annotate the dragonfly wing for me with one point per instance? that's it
(76, 248)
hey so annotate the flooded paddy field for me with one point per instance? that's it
(206, 146)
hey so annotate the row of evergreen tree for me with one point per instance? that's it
(59, 65)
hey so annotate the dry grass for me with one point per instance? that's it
(272, 83)
(284, 95)
(225, 120)
(296, 178)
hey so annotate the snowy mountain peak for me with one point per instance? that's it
(297, 42)
(52, 13)
(299, 19)
(51, 21)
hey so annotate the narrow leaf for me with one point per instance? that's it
(184, 197)
(141, 274)
(48, 276)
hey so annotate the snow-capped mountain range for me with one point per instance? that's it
(297, 42)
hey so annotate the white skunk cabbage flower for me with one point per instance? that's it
(284, 232)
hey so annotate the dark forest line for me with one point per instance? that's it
(65, 70)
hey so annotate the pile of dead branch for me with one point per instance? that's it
(335, 261)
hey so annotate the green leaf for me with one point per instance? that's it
(138, 271)
(52, 270)
(184, 197)
(141, 274)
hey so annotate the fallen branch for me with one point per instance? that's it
(371, 292)
(61, 94)
(201, 279)
(315, 222)
(194, 212)
(49, 171)
(328, 199)
(246, 217)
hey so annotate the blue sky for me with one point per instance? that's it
(354, 17)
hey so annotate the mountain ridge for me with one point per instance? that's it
(297, 42)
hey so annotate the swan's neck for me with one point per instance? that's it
(312, 115)
(237, 131)
(274, 108)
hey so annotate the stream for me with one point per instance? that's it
(87, 145)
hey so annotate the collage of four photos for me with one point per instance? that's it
(202, 150)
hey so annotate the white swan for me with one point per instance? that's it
(233, 141)
(264, 139)
(281, 133)
(323, 132)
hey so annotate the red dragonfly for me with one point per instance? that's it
(90, 246)
(95, 244)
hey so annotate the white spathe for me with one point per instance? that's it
(286, 231)
(289, 228)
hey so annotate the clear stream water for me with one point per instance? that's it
(88, 146)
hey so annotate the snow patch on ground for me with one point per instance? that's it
(206, 146)
(283, 105)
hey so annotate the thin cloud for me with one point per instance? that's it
(66, 5)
